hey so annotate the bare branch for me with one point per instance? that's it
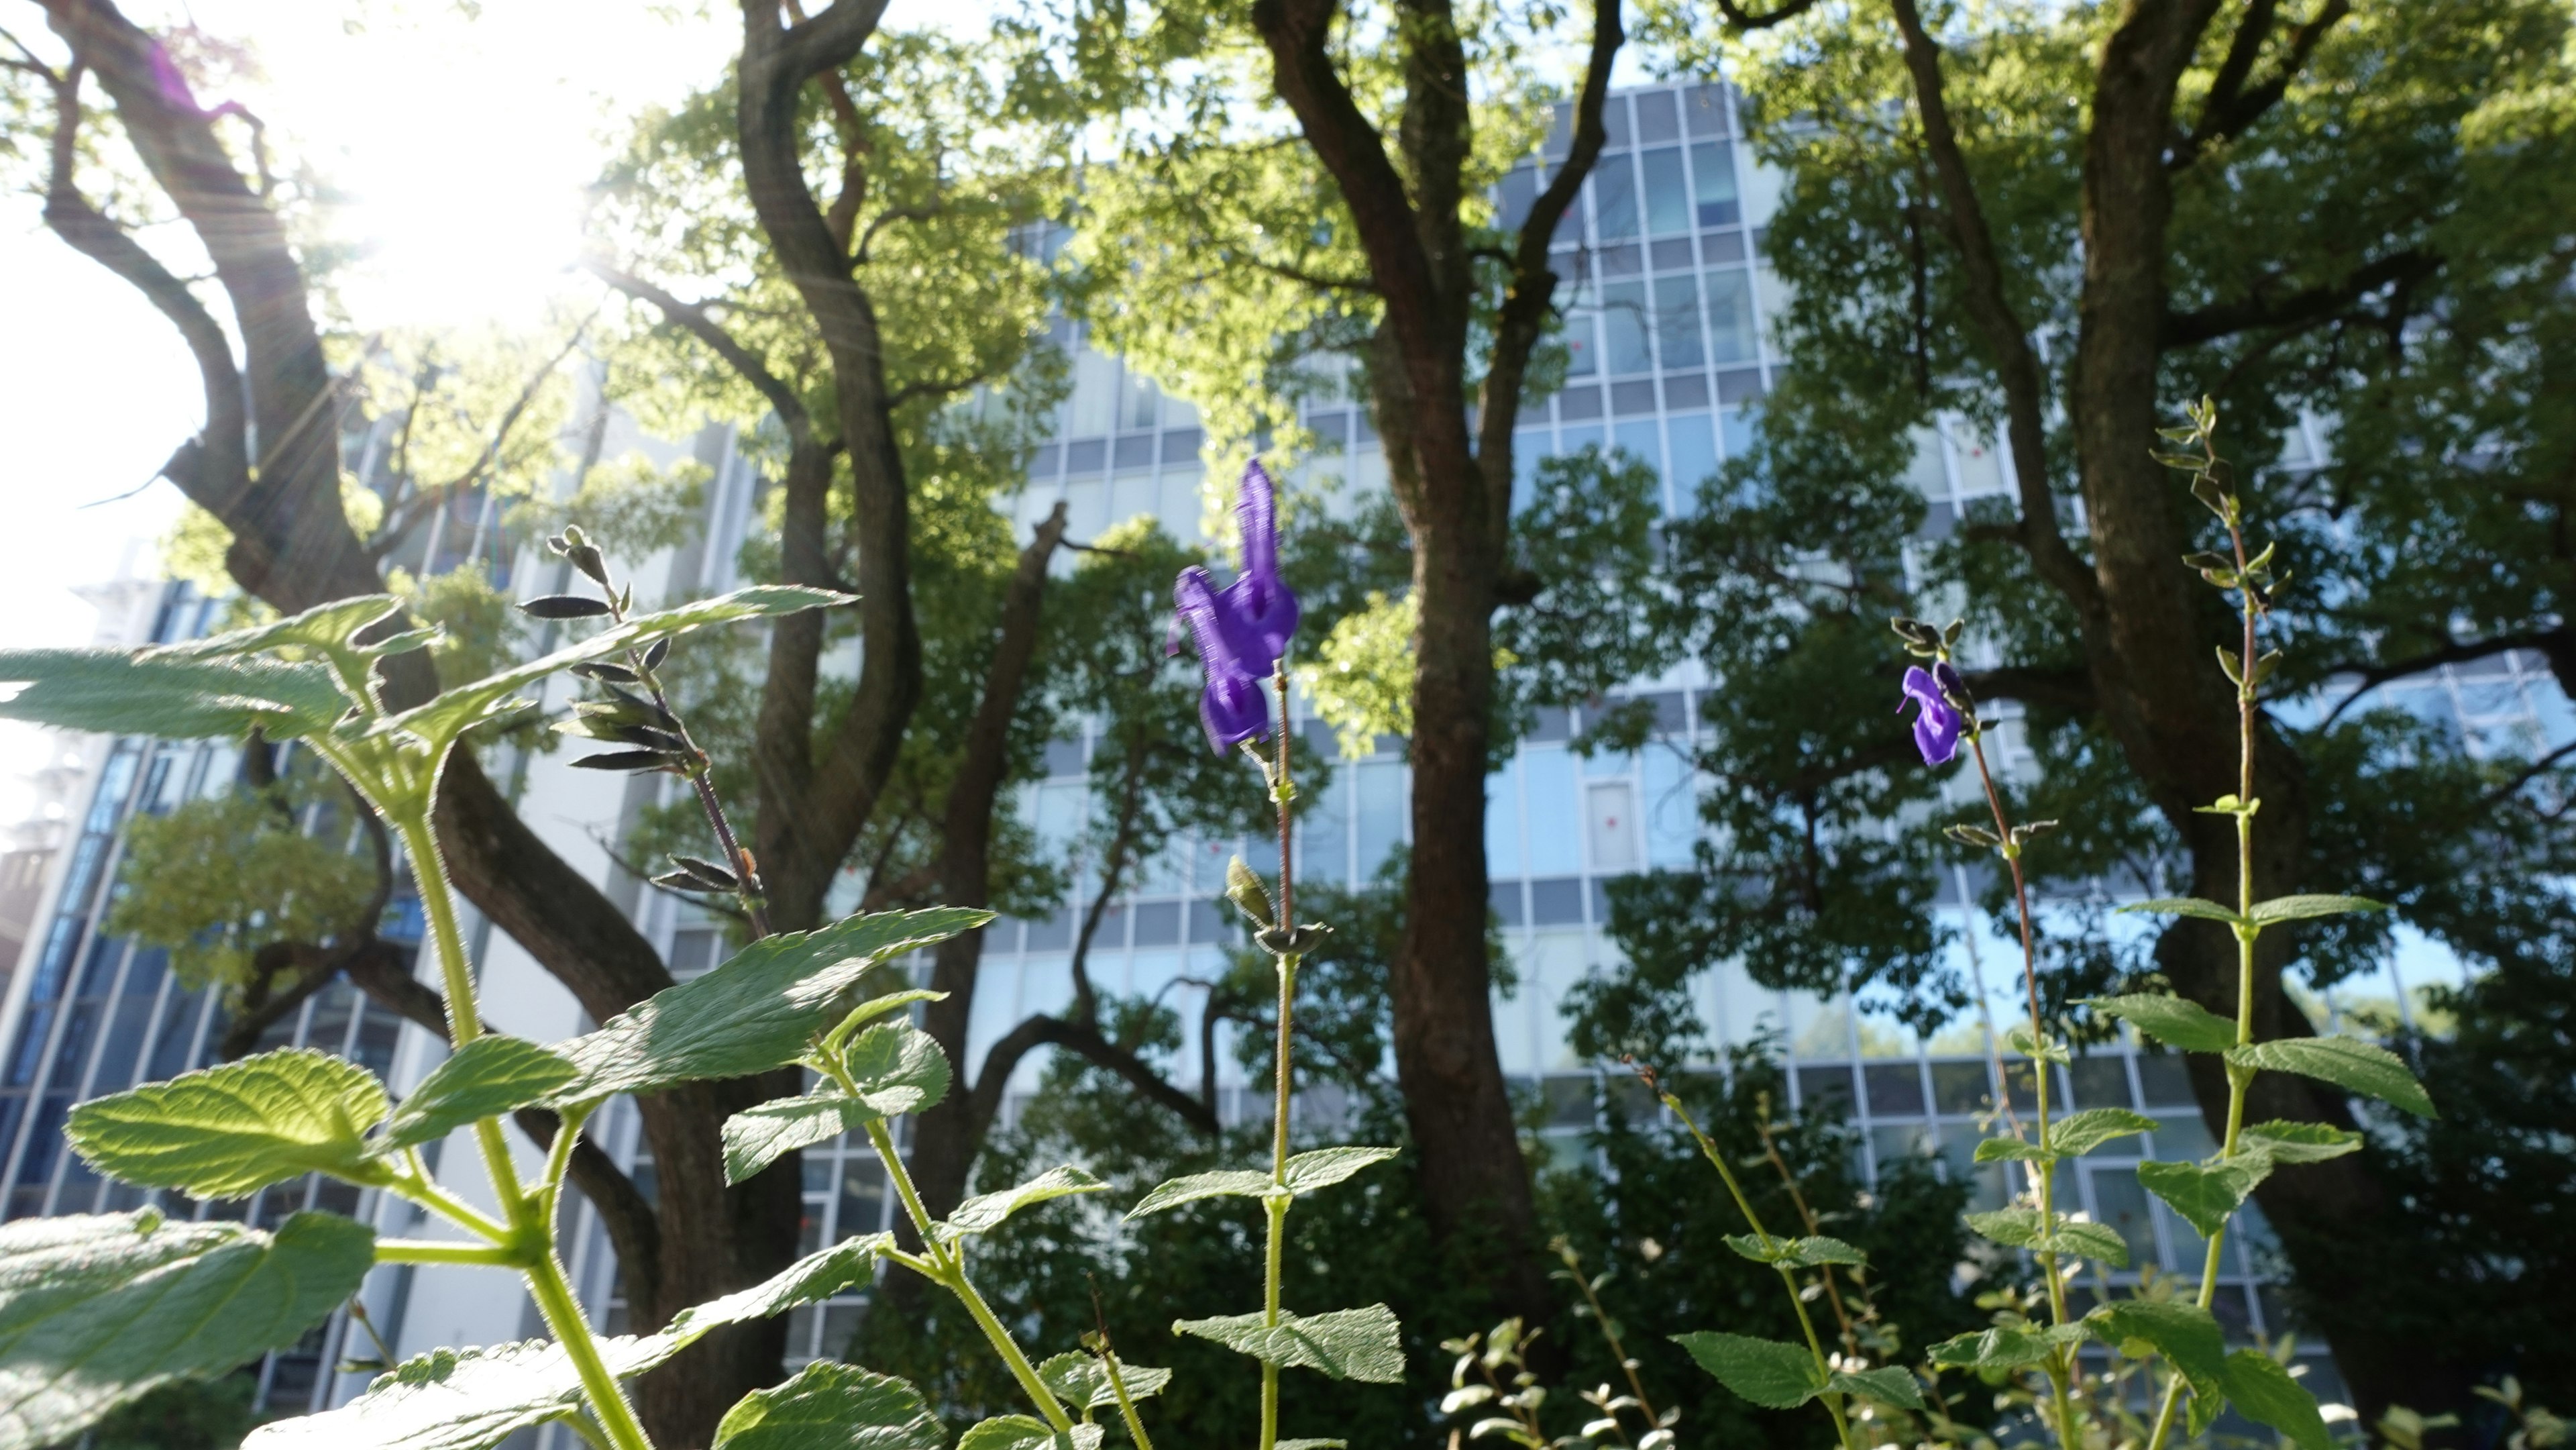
(692, 318)
(424, 501)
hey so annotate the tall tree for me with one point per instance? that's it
(2058, 225)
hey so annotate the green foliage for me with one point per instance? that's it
(2357, 1067)
(182, 1415)
(2174, 1021)
(486, 1078)
(985, 1211)
(480, 631)
(1083, 1380)
(1765, 1371)
(1355, 1344)
(222, 876)
(629, 508)
(1020, 1432)
(830, 1406)
(97, 1311)
(1306, 1173)
(229, 1131)
(111, 693)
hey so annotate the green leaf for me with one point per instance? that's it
(2185, 906)
(111, 692)
(230, 1131)
(2205, 1193)
(2299, 908)
(1191, 1187)
(1313, 1445)
(875, 1007)
(1803, 1253)
(327, 627)
(2021, 1228)
(2014, 1228)
(849, 1264)
(830, 1406)
(2021, 1039)
(2003, 1348)
(454, 711)
(757, 1011)
(1996, 1150)
(2263, 1391)
(1082, 1381)
(1325, 1167)
(2175, 1021)
(897, 1068)
(2088, 1241)
(757, 1137)
(1354, 1344)
(485, 1078)
(99, 1310)
(1889, 1386)
(1764, 1371)
(2301, 1142)
(1021, 1432)
(2185, 1334)
(1248, 895)
(2081, 1133)
(985, 1211)
(459, 1399)
(2356, 1067)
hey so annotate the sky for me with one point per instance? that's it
(465, 133)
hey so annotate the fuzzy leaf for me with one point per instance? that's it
(459, 1399)
(1023, 1432)
(757, 1137)
(2263, 1391)
(897, 1068)
(2081, 1133)
(112, 692)
(325, 627)
(1325, 1167)
(98, 1310)
(2088, 1241)
(2301, 1142)
(2014, 1228)
(2021, 1228)
(1354, 1344)
(1082, 1381)
(2004, 1348)
(1191, 1187)
(485, 1078)
(757, 1011)
(830, 1406)
(1804, 1253)
(985, 1211)
(229, 1131)
(2356, 1067)
(2185, 1334)
(1764, 1371)
(1893, 1385)
(2184, 906)
(2205, 1193)
(2300, 908)
(849, 1264)
(454, 711)
(2175, 1021)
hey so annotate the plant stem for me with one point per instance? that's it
(1126, 1405)
(2044, 1172)
(433, 1251)
(1744, 1205)
(947, 1268)
(1601, 1317)
(572, 1329)
(1282, 791)
(2238, 1079)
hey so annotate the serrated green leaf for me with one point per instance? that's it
(1889, 1386)
(325, 628)
(454, 711)
(485, 1078)
(2263, 1391)
(2356, 1067)
(1021, 1432)
(2192, 906)
(229, 1131)
(97, 1310)
(2175, 1021)
(830, 1406)
(1355, 1344)
(1804, 1253)
(2014, 1228)
(1764, 1371)
(1998, 1150)
(2301, 1142)
(2081, 1133)
(897, 1068)
(2185, 1334)
(460, 1399)
(1082, 1381)
(985, 1211)
(849, 1264)
(875, 1007)
(2021, 1228)
(2088, 1241)
(757, 1137)
(111, 692)
(757, 1011)
(1325, 1167)
(1191, 1187)
(2021, 1039)
(2003, 1348)
(2300, 908)
(2205, 1193)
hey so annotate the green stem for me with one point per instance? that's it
(946, 1267)
(432, 1251)
(1282, 790)
(1126, 1405)
(572, 1329)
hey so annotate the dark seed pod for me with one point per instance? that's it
(630, 760)
(586, 558)
(679, 881)
(564, 606)
(638, 707)
(607, 673)
(707, 871)
(659, 651)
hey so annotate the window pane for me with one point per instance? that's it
(1519, 189)
(1614, 200)
(1677, 320)
(1713, 166)
(1694, 457)
(1730, 315)
(1668, 211)
(1623, 315)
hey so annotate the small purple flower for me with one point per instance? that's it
(1938, 728)
(1243, 629)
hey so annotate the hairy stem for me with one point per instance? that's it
(1282, 791)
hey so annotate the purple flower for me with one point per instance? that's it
(1243, 629)
(1938, 727)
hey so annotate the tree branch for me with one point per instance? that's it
(692, 318)
(1737, 17)
(1042, 1030)
(2303, 308)
(2368, 677)
(2231, 108)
